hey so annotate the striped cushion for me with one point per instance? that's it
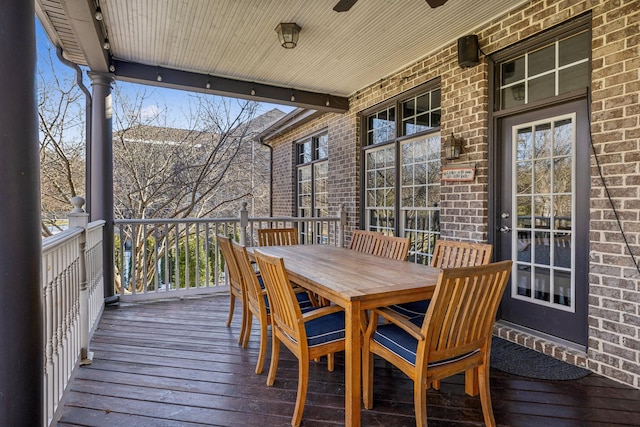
(325, 329)
(411, 309)
(303, 299)
(398, 341)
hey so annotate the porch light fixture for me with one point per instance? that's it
(288, 33)
(106, 45)
(98, 14)
(452, 148)
(159, 77)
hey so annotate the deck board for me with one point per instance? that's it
(176, 364)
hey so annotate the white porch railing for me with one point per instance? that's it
(72, 286)
(168, 258)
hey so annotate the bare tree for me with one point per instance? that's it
(62, 148)
(202, 171)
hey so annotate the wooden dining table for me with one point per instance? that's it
(355, 281)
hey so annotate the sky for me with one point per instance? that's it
(176, 100)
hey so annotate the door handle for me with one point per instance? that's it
(504, 229)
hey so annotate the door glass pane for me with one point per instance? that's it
(562, 250)
(542, 284)
(523, 280)
(542, 171)
(544, 202)
(524, 144)
(562, 175)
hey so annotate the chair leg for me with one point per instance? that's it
(275, 353)
(471, 382)
(485, 395)
(243, 328)
(247, 329)
(263, 347)
(420, 402)
(303, 382)
(435, 384)
(331, 362)
(232, 306)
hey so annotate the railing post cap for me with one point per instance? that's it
(77, 202)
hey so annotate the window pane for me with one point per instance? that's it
(524, 177)
(513, 96)
(573, 78)
(574, 48)
(512, 71)
(422, 103)
(409, 108)
(542, 60)
(541, 87)
(323, 146)
(542, 175)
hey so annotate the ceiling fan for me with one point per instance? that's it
(345, 5)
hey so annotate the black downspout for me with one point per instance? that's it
(270, 176)
(87, 115)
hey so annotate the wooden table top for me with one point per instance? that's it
(345, 276)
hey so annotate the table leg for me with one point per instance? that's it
(353, 369)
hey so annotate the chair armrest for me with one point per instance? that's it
(319, 312)
(400, 321)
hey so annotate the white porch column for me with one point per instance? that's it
(21, 339)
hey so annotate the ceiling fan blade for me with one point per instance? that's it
(344, 5)
(436, 3)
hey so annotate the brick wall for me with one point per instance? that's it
(614, 312)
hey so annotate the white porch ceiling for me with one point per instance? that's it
(337, 54)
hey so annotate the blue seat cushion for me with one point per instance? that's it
(398, 341)
(411, 309)
(302, 297)
(325, 329)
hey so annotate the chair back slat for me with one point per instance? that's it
(277, 236)
(392, 247)
(235, 278)
(453, 254)
(463, 309)
(285, 311)
(249, 276)
(364, 241)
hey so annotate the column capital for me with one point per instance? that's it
(101, 78)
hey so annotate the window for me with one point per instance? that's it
(551, 70)
(401, 182)
(312, 195)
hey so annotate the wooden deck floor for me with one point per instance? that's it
(176, 364)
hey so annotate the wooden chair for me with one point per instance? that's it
(257, 303)
(392, 247)
(449, 254)
(308, 336)
(236, 286)
(277, 236)
(454, 337)
(364, 241)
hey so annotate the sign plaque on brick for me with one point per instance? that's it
(463, 173)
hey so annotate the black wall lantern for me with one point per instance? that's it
(453, 147)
